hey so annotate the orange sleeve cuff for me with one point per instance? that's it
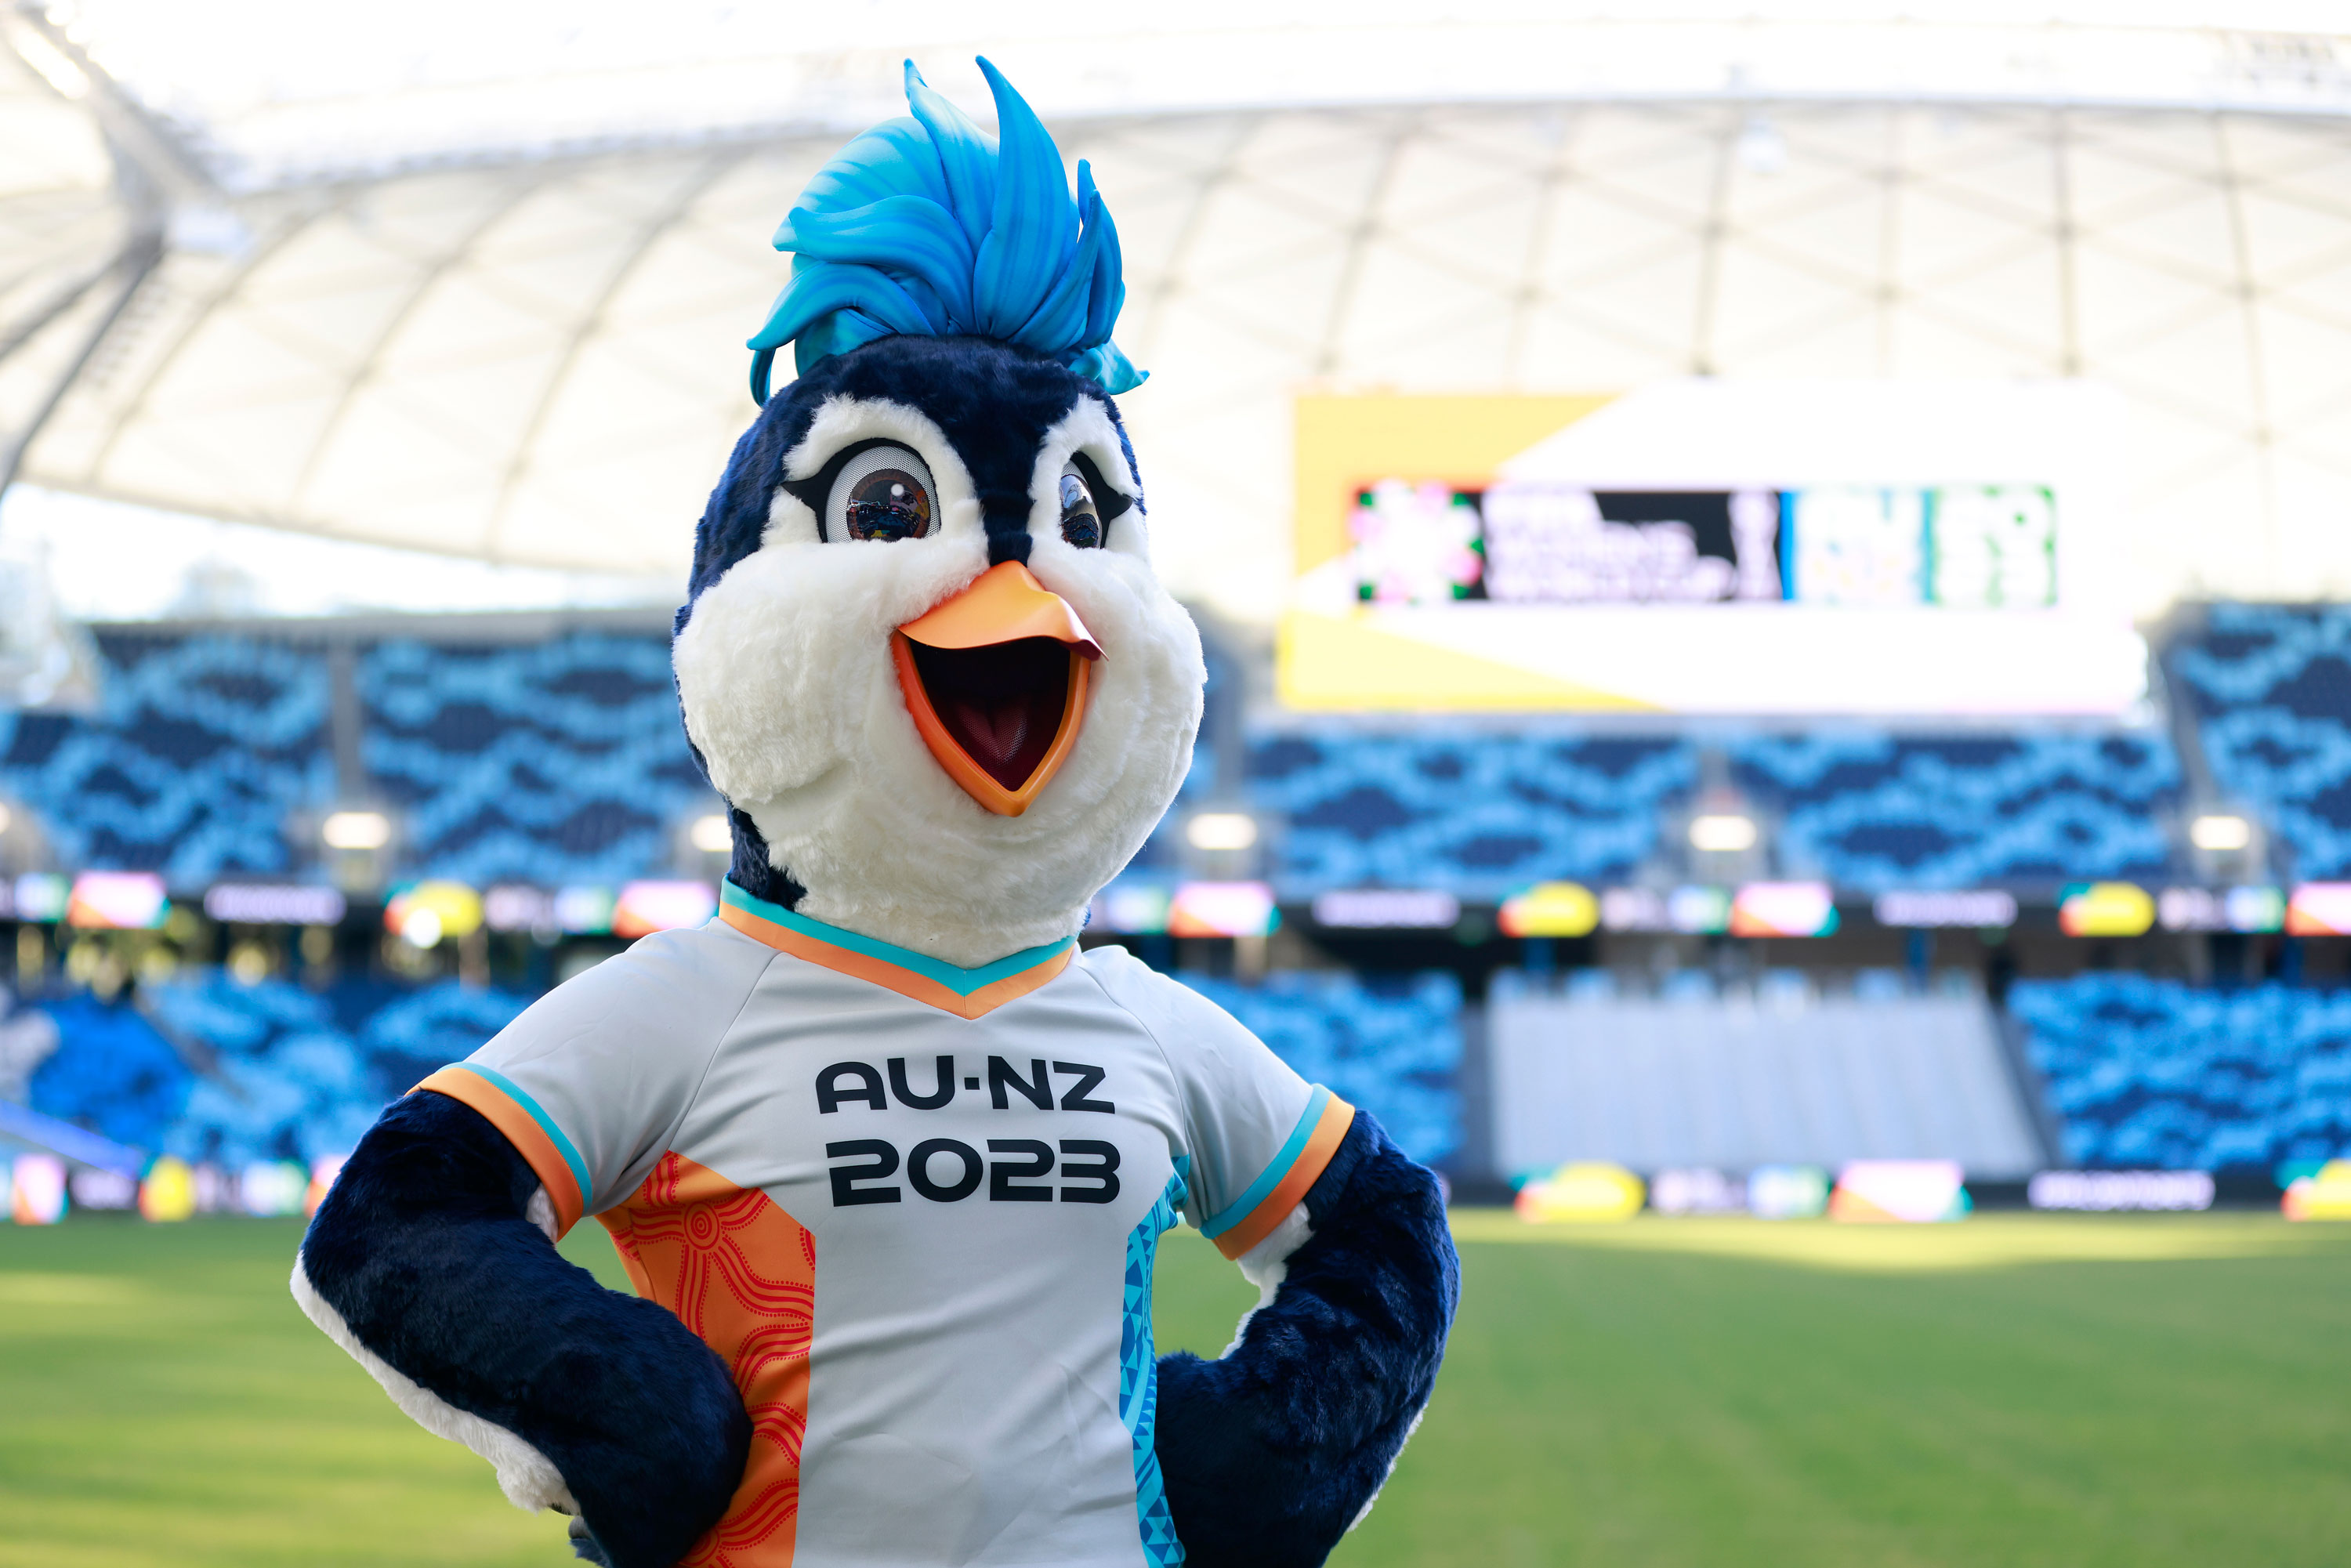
(533, 1134)
(1321, 1143)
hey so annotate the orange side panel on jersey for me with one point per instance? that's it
(1321, 1145)
(741, 1273)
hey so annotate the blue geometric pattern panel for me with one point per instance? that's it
(1479, 813)
(1872, 810)
(2156, 1073)
(201, 749)
(2272, 685)
(1392, 1046)
(1138, 1379)
(550, 763)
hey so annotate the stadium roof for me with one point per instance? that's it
(487, 297)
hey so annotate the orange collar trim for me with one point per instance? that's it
(967, 993)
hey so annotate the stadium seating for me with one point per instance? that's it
(430, 1027)
(563, 762)
(1871, 811)
(1392, 1047)
(550, 762)
(2155, 1073)
(1480, 812)
(2272, 688)
(110, 1072)
(281, 1072)
(1691, 1079)
(200, 749)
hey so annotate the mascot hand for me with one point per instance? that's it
(1276, 1450)
(431, 1263)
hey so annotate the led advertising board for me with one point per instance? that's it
(644, 908)
(1901, 1192)
(1713, 547)
(117, 900)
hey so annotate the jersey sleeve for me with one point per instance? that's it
(1256, 1135)
(591, 1082)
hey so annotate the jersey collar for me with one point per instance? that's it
(967, 993)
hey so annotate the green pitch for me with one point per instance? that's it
(2011, 1390)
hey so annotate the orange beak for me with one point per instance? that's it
(996, 680)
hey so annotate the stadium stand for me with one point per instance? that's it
(283, 1083)
(552, 762)
(1480, 813)
(557, 759)
(1871, 811)
(229, 1072)
(421, 1030)
(2271, 686)
(1580, 1073)
(1391, 1046)
(563, 762)
(111, 1073)
(2155, 1073)
(201, 748)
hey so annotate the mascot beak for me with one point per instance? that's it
(996, 681)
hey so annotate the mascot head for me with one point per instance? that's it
(925, 657)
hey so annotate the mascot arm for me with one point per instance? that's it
(432, 1262)
(1274, 1451)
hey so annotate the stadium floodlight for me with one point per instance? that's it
(356, 831)
(2221, 832)
(1722, 832)
(712, 834)
(1214, 831)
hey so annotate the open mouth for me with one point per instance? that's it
(996, 681)
(1003, 704)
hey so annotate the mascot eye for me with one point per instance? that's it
(1081, 523)
(883, 493)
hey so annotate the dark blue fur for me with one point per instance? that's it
(993, 401)
(1270, 1453)
(424, 1249)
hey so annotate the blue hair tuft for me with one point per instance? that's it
(930, 226)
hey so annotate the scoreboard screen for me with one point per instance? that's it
(1712, 548)
(1979, 546)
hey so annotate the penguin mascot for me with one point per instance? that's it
(886, 1155)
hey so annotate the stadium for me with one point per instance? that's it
(1777, 598)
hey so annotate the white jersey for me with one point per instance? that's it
(915, 1208)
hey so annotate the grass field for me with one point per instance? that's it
(2016, 1391)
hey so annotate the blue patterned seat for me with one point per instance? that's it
(201, 749)
(291, 1073)
(550, 762)
(2156, 1073)
(111, 1073)
(1481, 813)
(1872, 810)
(2272, 685)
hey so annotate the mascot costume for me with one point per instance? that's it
(886, 1155)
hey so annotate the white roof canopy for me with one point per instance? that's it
(535, 356)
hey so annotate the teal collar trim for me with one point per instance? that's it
(962, 982)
